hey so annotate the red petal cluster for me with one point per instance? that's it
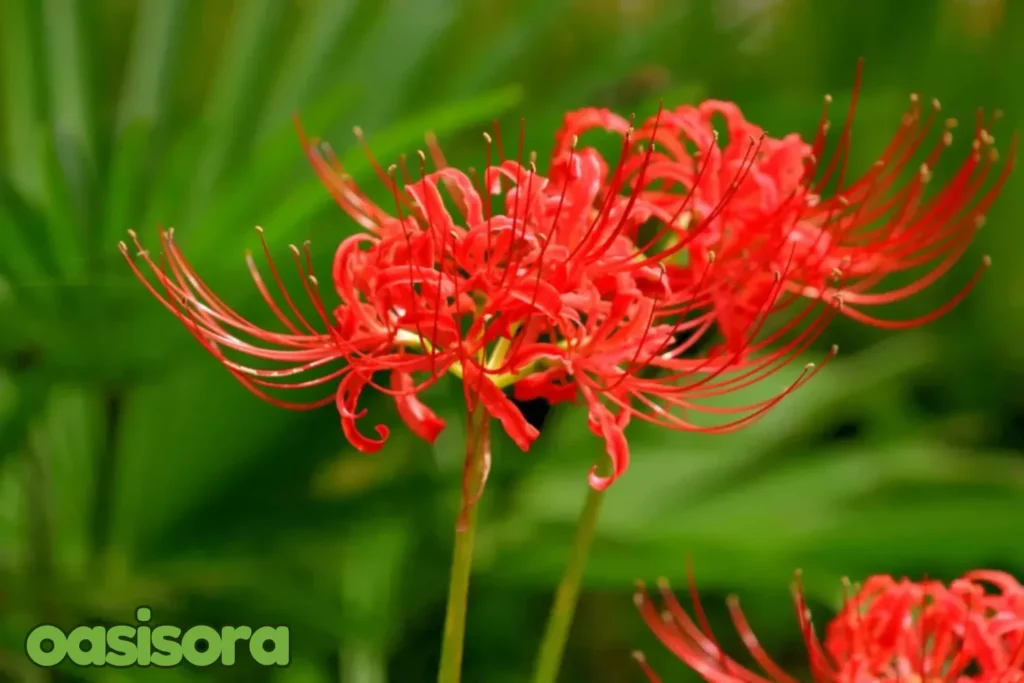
(970, 631)
(550, 294)
(756, 206)
(593, 282)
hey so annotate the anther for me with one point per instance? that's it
(936, 105)
(828, 99)
(358, 132)
(392, 169)
(947, 138)
(312, 279)
(914, 98)
(986, 261)
(487, 138)
(575, 141)
(123, 247)
(952, 123)
(295, 249)
(926, 173)
(131, 233)
(421, 155)
(979, 222)
(639, 656)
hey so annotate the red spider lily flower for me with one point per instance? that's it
(712, 197)
(830, 227)
(971, 630)
(549, 295)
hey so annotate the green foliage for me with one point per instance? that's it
(134, 470)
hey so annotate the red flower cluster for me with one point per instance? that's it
(971, 631)
(755, 206)
(592, 282)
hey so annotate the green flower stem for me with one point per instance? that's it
(450, 670)
(556, 634)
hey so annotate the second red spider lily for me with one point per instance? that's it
(970, 631)
(791, 203)
(550, 294)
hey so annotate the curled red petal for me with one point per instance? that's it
(499, 406)
(610, 428)
(583, 120)
(423, 422)
(552, 385)
(539, 296)
(347, 399)
(428, 199)
(461, 187)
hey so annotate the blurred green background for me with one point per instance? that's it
(135, 471)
